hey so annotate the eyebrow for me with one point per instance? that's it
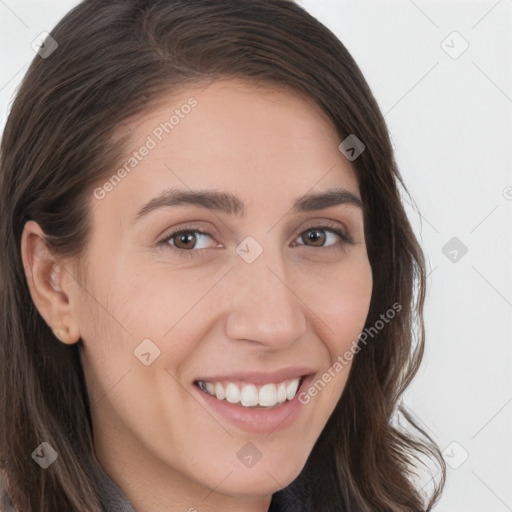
(229, 204)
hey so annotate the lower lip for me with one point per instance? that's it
(257, 421)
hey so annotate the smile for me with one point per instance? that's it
(251, 395)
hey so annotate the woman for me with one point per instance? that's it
(210, 286)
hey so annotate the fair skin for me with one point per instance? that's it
(300, 303)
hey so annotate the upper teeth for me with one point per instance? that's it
(249, 395)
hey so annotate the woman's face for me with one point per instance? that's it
(258, 291)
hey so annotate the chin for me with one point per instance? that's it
(264, 478)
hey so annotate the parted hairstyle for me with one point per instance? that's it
(114, 59)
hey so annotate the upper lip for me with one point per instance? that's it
(292, 372)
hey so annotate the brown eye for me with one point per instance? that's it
(325, 237)
(316, 237)
(186, 240)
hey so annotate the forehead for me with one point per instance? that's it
(235, 135)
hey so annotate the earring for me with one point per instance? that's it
(62, 333)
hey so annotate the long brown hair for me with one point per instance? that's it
(113, 59)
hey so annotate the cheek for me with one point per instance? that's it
(341, 310)
(343, 305)
(129, 300)
(107, 353)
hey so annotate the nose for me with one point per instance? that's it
(264, 306)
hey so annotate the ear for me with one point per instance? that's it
(50, 282)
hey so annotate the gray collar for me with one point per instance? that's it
(111, 496)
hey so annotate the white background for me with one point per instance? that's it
(451, 124)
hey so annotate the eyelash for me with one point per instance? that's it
(346, 239)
